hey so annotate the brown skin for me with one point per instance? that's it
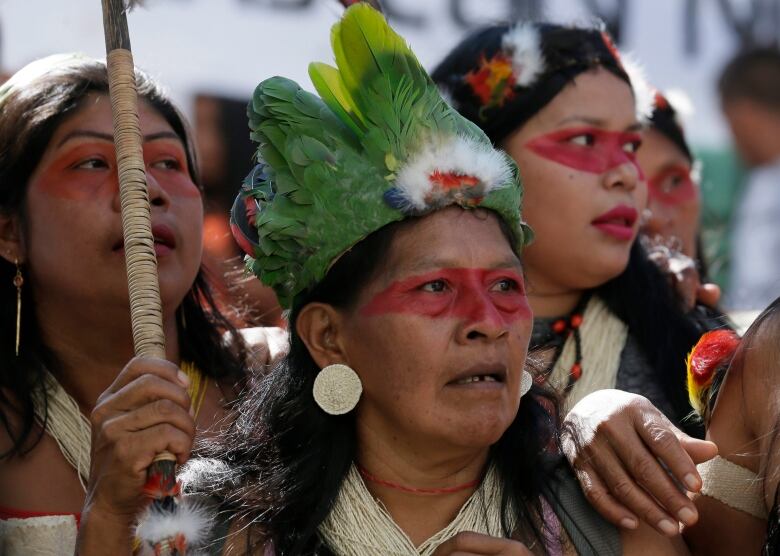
(413, 426)
(569, 255)
(613, 440)
(67, 247)
(680, 220)
(755, 130)
(744, 424)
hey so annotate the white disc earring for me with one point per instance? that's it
(337, 389)
(525, 383)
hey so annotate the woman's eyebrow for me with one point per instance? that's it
(91, 134)
(428, 265)
(596, 122)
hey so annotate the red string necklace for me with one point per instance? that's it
(449, 490)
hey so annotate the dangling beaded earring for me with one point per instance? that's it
(18, 282)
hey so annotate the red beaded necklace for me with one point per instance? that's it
(449, 490)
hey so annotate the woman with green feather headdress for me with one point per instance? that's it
(403, 420)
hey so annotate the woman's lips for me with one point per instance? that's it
(164, 241)
(618, 222)
(483, 376)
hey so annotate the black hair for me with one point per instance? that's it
(567, 52)
(32, 112)
(666, 121)
(772, 540)
(753, 74)
(664, 118)
(286, 459)
(640, 296)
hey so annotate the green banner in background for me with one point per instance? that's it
(721, 185)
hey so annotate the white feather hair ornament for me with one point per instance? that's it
(524, 44)
(681, 104)
(644, 94)
(450, 170)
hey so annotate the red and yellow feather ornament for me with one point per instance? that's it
(712, 353)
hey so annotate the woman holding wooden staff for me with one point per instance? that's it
(60, 231)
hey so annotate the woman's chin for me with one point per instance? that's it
(478, 429)
(604, 266)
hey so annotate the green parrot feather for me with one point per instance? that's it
(331, 166)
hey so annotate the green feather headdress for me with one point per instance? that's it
(380, 146)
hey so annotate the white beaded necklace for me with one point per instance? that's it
(65, 423)
(359, 525)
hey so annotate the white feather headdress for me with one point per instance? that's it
(524, 44)
(644, 94)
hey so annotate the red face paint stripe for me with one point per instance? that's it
(672, 186)
(473, 294)
(607, 149)
(68, 176)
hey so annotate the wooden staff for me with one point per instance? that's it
(143, 284)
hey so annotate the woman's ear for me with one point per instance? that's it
(11, 239)
(320, 327)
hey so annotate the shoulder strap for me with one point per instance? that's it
(590, 533)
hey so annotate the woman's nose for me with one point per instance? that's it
(158, 197)
(624, 175)
(482, 321)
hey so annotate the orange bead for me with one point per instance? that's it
(576, 321)
(576, 371)
(559, 326)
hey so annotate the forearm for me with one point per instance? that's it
(103, 533)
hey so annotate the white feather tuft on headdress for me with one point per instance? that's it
(644, 94)
(681, 103)
(524, 43)
(457, 156)
(190, 519)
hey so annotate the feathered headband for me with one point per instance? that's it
(666, 119)
(500, 76)
(379, 147)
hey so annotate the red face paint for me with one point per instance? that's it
(167, 163)
(672, 186)
(88, 170)
(588, 149)
(474, 294)
(79, 173)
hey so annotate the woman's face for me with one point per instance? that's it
(674, 199)
(439, 337)
(583, 188)
(73, 231)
